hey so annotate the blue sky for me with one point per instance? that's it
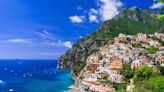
(45, 29)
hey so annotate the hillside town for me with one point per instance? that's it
(105, 67)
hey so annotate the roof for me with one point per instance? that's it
(85, 82)
(94, 65)
(162, 57)
(116, 65)
(146, 59)
(162, 47)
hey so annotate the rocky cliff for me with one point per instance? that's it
(129, 21)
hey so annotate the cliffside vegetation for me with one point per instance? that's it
(161, 16)
(147, 80)
(154, 84)
(129, 21)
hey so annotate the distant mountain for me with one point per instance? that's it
(129, 21)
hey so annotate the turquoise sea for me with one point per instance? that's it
(33, 76)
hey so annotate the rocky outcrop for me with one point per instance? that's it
(129, 21)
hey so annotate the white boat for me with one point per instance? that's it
(11, 90)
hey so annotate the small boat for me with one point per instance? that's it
(2, 82)
(11, 90)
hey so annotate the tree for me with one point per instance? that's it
(161, 16)
(120, 87)
(152, 50)
(159, 1)
(162, 70)
(127, 71)
(78, 67)
(154, 84)
(143, 73)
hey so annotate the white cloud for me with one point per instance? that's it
(157, 6)
(53, 40)
(81, 37)
(109, 8)
(54, 44)
(17, 41)
(93, 18)
(58, 43)
(106, 10)
(68, 44)
(46, 35)
(93, 11)
(77, 19)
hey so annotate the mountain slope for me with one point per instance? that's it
(129, 21)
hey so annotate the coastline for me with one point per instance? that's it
(107, 67)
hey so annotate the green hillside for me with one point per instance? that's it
(129, 21)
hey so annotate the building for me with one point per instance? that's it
(140, 37)
(135, 64)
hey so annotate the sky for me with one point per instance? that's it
(45, 29)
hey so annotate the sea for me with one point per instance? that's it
(33, 76)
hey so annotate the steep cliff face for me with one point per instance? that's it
(129, 21)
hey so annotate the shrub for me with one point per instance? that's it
(143, 73)
(152, 50)
(78, 67)
(127, 72)
(162, 70)
(154, 84)
(120, 87)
